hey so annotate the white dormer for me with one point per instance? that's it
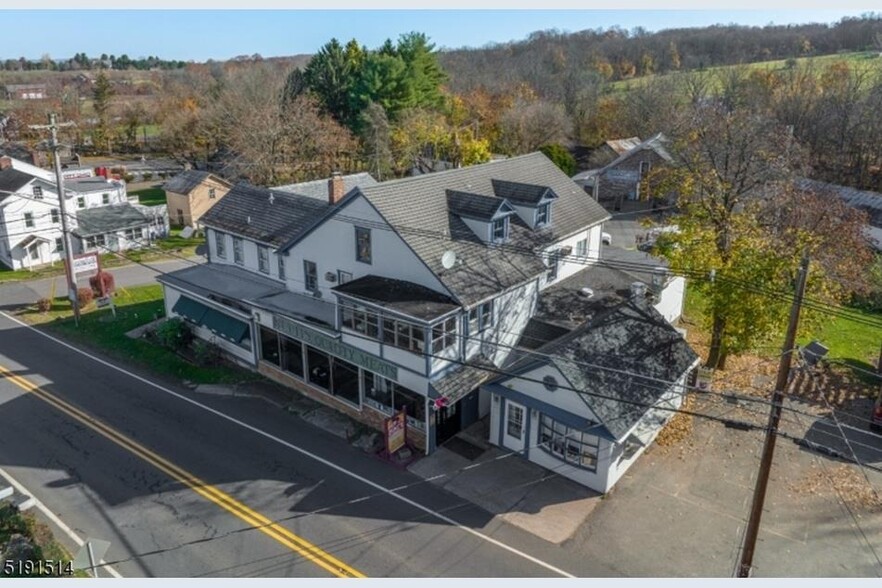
(531, 202)
(488, 217)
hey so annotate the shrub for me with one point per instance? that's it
(174, 333)
(102, 277)
(84, 296)
(561, 157)
(205, 353)
(129, 178)
(147, 176)
(44, 304)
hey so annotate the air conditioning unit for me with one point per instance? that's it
(331, 277)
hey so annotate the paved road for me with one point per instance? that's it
(116, 456)
(15, 294)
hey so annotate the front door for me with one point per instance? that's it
(447, 423)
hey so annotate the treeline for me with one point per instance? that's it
(82, 62)
(547, 59)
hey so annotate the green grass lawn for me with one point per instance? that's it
(10, 275)
(134, 307)
(852, 342)
(150, 196)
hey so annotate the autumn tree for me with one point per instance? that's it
(526, 126)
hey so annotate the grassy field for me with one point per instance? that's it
(134, 307)
(867, 61)
(150, 196)
(852, 342)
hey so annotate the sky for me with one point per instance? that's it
(221, 34)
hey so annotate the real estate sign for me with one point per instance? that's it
(85, 263)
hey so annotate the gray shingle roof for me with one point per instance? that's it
(318, 189)
(185, 182)
(528, 194)
(869, 202)
(219, 281)
(417, 209)
(83, 185)
(475, 206)
(246, 210)
(465, 378)
(106, 219)
(12, 180)
(405, 297)
(655, 143)
(636, 341)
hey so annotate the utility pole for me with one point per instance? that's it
(762, 479)
(65, 230)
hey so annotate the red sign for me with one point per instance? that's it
(396, 432)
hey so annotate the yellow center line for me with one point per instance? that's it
(277, 532)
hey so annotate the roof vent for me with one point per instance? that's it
(638, 290)
(248, 219)
(586, 292)
(271, 198)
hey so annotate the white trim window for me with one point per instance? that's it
(263, 259)
(567, 444)
(95, 241)
(514, 420)
(105, 198)
(29, 220)
(444, 334)
(55, 214)
(281, 259)
(480, 318)
(238, 251)
(362, 245)
(499, 230)
(582, 248)
(81, 202)
(310, 275)
(543, 214)
(38, 192)
(220, 244)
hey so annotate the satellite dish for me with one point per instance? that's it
(448, 260)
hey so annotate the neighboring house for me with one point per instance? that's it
(620, 179)
(25, 91)
(118, 227)
(319, 188)
(587, 403)
(611, 150)
(30, 215)
(865, 200)
(406, 294)
(191, 193)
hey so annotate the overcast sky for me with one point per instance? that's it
(222, 34)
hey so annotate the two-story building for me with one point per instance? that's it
(99, 216)
(390, 295)
(620, 179)
(191, 193)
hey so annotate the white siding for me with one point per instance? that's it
(332, 247)
(568, 266)
(511, 312)
(670, 304)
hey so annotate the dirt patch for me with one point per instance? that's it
(844, 481)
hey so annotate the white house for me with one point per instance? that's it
(407, 294)
(30, 216)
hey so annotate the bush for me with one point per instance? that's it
(205, 353)
(99, 279)
(147, 176)
(561, 157)
(129, 178)
(174, 333)
(85, 296)
(44, 305)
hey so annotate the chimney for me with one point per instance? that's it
(5, 162)
(335, 188)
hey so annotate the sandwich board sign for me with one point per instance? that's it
(396, 432)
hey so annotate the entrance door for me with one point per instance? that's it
(447, 423)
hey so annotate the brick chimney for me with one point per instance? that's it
(335, 188)
(5, 162)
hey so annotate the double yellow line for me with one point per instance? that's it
(279, 533)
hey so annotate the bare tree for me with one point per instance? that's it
(527, 126)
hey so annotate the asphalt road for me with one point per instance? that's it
(83, 443)
(16, 294)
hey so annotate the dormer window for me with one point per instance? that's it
(499, 230)
(543, 214)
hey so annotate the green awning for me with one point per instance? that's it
(190, 309)
(225, 325)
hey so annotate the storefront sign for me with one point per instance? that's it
(704, 379)
(396, 432)
(335, 347)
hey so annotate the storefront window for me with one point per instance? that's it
(413, 403)
(570, 445)
(378, 392)
(359, 318)
(269, 346)
(292, 356)
(319, 366)
(344, 380)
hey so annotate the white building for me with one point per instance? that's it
(99, 216)
(408, 294)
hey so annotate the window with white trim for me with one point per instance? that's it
(404, 335)
(310, 275)
(444, 334)
(359, 318)
(281, 258)
(238, 251)
(480, 317)
(362, 245)
(543, 214)
(29, 220)
(514, 420)
(55, 215)
(263, 259)
(220, 244)
(81, 202)
(38, 192)
(499, 230)
(582, 248)
(570, 445)
(105, 198)
(95, 241)
(59, 244)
